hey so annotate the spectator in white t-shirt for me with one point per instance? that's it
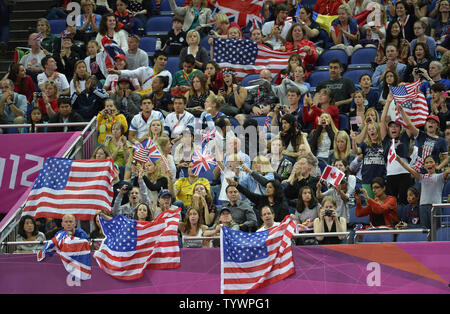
(275, 32)
(176, 122)
(140, 123)
(50, 74)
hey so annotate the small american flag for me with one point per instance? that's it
(75, 254)
(413, 102)
(202, 161)
(67, 186)
(426, 151)
(255, 260)
(132, 246)
(248, 57)
(146, 152)
(38, 37)
(268, 123)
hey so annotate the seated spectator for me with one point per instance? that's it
(110, 27)
(192, 226)
(182, 79)
(89, 103)
(35, 117)
(294, 61)
(183, 151)
(94, 63)
(420, 32)
(156, 179)
(125, 19)
(102, 7)
(392, 64)
(342, 147)
(137, 196)
(297, 41)
(375, 29)
(420, 59)
(344, 31)
(214, 76)
(106, 118)
(141, 9)
(97, 233)
(23, 83)
(127, 101)
(88, 23)
(80, 76)
(65, 114)
(342, 87)
(139, 126)
(307, 207)
(433, 76)
(32, 61)
(439, 25)
(197, 95)
(329, 220)
(79, 40)
(200, 53)
(163, 100)
(112, 80)
(224, 218)
(66, 59)
(120, 148)
(184, 187)
(257, 36)
(222, 25)
(394, 35)
(291, 105)
(165, 148)
(203, 202)
(13, 106)
(47, 101)
(176, 122)
(371, 95)
(212, 106)
(196, 15)
(311, 27)
(322, 138)
(300, 176)
(68, 224)
(275, 32)
(234, 95)
(50, 74)
(291, 136)
(256, 178)
(296, 83)
(260, 93)
(176, 38)
(389, 78)
(28, 231)
(49, 42)
(241, 211)
(58, 10)
(324, 101)
(136, 57)
(404, 13)
(101, 152)
(382, 209)
(438, 104)
(409, 215)
(165, 202)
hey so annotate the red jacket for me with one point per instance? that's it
(327, 7)
(388, 209)
(313, 117)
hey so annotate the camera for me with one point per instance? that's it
(328, 212)
(39, 95)
(108, 111)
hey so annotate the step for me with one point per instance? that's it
(32, 4)
(22, 24)
(28, 14)
(20, 34)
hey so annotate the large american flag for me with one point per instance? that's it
(413, 102)
(132, 246)
(255, 260)
(75, 254)
(67, 186)
(248, 57)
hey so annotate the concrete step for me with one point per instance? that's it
(28, 14)
(31, 4)
(22, 24)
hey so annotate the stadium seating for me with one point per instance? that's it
(355, 74)
(446, 191)
(344, 122)
(378, 238)
(443, 234)
(204, 43)
(318, 76)
(362, 58)
(356, 220)
(323, 40)
(148, 44)
(165, 7)
(172, 65)
(249, 77)
(261, 120)
(57, 27)
(158, 25)
(328, 55)
(412, 237)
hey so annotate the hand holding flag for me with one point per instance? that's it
(202, 161)
(332, 175)
(392, 154)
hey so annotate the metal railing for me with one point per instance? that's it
(389, 231)
(81, 148)
(437, 220)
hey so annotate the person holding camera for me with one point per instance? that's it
(420, 60)
(13, 106)
(329, 221)
(106, 119)
(47, 100)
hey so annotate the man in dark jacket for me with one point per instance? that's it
(65, 115)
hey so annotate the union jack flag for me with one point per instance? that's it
(112, 50)
(75, 254)
(208, 135)
(202, 161)
(146, 152)
(241, 12)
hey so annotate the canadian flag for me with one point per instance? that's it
(392, 155)
(332, 175)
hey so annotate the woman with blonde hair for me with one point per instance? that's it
(49, 42)
(322, 138)
(257, 177)
(165, 147)
(344, 31)
(155, 179)
(328, 221)
(342, 147)
(200, 53)
(202, 200)
(80, 75)
(48, 102)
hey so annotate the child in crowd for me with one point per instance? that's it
(176, 38)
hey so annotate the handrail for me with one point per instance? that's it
(434, 216)
(389, 231)
(59, 124)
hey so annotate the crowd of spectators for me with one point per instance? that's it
(66, 80)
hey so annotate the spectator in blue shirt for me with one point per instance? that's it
(13, 106)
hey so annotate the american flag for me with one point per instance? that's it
(241, 12)
(146, 152)
(255, 260)
(38, 37)
(75, 254)
(413, 102)
(67, 186)
(248, 57)
(418, 163)
(202, 161)
(132, 246)
(268, 123)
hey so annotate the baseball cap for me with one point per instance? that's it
(123, 79)
(435, 118)
(394, 121)
(164, 192)
(120, 56)
(224, 208)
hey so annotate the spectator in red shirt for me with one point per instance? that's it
(323, 102)
(48, 100)
(23, 83)
(327, 7)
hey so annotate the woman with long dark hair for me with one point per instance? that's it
(419, 61)
(23, 83)
(394, 36)
(291, 137)
(110, 28)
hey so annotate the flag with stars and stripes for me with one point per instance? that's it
(412, 101)
(75, 254)
(248, 57)
(147, 151)
(255, 260)
(67, 186)
(131, 246)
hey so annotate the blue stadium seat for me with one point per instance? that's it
(318, 76)
(355, 74)
(344, 123)
(355, 220)
(248, 78)
(233, 121)
(158, 25)
(165, 8)
(362, 58)
(57, 27)
(412, 237)
(148, 44)
(443, 234)
(378, 238)
(309, 3)
(204, 43)
(172, 65)
(260, 119)
(446, 190)
(323, 40)
(329, 55)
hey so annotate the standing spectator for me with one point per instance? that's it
(125, 19)
(127, 101)
(50, 74)
(94, 63)
(275, 32)
(80, 76)
(66, 59)
(28, 231)
(88, 23)
(136, 57)
(65, 115)
(163, 100)
(178, 121)
(176, 39)
(324, 101)
(119, 147)
(311, 27)
(196, 16)
(182, 79)
(13, 106)
(139, 126)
